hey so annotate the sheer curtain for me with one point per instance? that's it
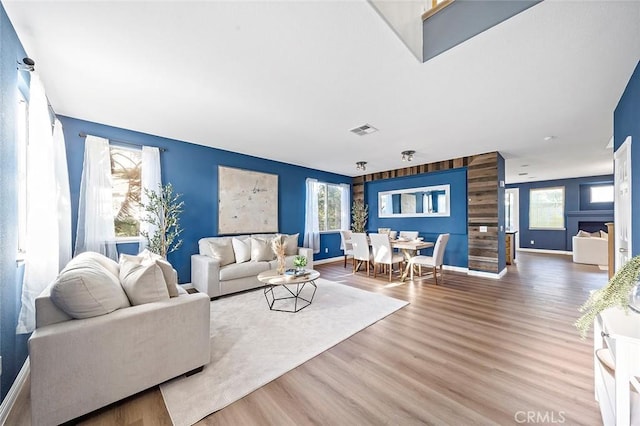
(151, 179)
(345, 207)
(311, 223)
(48, 234)
(95, 211)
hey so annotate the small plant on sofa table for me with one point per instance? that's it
(616, 293)
(163, 210)
(300, 261)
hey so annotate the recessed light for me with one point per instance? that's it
(549, 138)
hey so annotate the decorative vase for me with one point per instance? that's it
(281, 265)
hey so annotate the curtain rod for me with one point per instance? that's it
(84, 135)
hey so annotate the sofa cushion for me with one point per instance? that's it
(110, 264)
(143, 282)
(85, 289)
(290, 244)
(582, 233)
(241, 249)
(242, 270)
(261, 249)
(222, 250)
(170, 275)
(604, 235)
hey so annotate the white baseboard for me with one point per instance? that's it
(456, 269)
(530, 250)
(330, 260)
(491, 275)
(9, 401)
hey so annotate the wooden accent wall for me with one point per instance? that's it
(482, 193)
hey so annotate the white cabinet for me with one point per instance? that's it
(617, 366)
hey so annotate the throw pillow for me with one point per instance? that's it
(222, 250)
(86, 289)
(242, 249)
(142, 283)
(595, 234)
(261, 250)
(582, 233)
(604, 235)
(290, 244)
(170, 275)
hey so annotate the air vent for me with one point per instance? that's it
(365, 129)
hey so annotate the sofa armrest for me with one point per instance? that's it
(205, 274)
(308, 253)
(78, 366)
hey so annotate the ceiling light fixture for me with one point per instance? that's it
(361, 165)
(407, 155)
(365, 129)
(27, 64)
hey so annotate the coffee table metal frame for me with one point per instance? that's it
(294, 287)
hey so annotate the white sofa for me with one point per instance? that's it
(590, 250)
(228, 268)
(80, 365)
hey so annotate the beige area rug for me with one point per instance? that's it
(251, 345)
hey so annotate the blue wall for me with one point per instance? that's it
(560, 239)
(456, 253)
(626, 122)
(13, 348)
(193, 171)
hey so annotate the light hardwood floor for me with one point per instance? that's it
(471, 351)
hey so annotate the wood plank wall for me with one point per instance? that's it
(482, 193)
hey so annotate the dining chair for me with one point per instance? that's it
(383, 253)
(409, 235)
(393, 235)
(435, 261)
(384, 230)
(361, 253)
(345, 246)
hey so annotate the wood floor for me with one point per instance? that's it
(471, 351)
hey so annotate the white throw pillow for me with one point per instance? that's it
(142, 283)
(261, 249)
(290, 244)
(242, 249)
(582, 233)
(86, 289)
(170, 275)
(222, 250)
(604, 235)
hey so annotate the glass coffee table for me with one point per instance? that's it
(289, 293)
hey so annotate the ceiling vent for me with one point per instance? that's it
(365, 129)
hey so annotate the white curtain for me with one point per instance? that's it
(151, 179)
(48, 234)
(95, 211)
(311, 223)
(345, 207)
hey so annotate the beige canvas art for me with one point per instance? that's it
(247, 201)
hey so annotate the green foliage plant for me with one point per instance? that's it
(615, 293)
(359, 215)
(163, 210)
(300, 261)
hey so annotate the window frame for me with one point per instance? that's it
(564, 200)
(609, 185)
(326, 192)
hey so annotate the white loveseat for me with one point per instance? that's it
(231, 264)
(81, 364)
(590, 250)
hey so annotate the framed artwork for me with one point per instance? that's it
(247, 201)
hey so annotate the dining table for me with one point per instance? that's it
(409, 248)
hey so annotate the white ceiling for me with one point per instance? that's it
(287, 80)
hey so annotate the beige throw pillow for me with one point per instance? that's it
(290, 244)
(222, 250)
(170, 275)
(582, 233)
(242, 249)
(604, 235)
(143, 283)
(261, 249)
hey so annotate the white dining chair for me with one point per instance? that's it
(345, 245)
(361, 253)
(434, 261)
(408, 235)
(383, 253)
(393, 235)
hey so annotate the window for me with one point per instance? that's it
(329, 207)
(601, 194)
(546, 208)
(22, 127)
(126, 167)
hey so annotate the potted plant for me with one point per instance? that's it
(300, 262)
(619, 292)
(163, 210)
(359, 214)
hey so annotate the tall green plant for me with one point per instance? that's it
(359, 215)
(163, 210)
(615, 293)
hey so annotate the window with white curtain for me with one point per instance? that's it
(126, 175)
(330, 206)
(546, 208)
